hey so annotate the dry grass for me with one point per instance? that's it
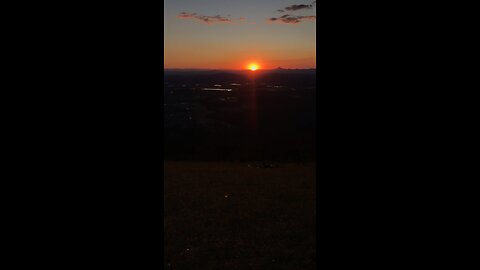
(230, 216)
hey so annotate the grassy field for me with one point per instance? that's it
(231, 216)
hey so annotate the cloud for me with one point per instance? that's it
(298, 7)
(280, 10)
(290, 19)
(203, 18)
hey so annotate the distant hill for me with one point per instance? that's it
(272, 76)
(171, 71)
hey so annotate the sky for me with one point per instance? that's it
(232, 34)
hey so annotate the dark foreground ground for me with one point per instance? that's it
(268, 115)
(232, 216)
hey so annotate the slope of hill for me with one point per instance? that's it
(232, 216)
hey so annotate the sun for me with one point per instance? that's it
(253, 67)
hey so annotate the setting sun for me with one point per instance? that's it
(253, 67)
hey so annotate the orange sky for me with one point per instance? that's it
(192, 43)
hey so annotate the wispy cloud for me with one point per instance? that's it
(290, 19)
(204, 18)
(298, 7)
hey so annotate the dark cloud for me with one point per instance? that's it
(289, 19)
(203, 18)
(298, 7)
(280, 10)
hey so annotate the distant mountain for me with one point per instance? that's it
(272, 76)
(189, 72)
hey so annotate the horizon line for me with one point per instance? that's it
(237, 69)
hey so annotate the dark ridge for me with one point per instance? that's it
(300, 77)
